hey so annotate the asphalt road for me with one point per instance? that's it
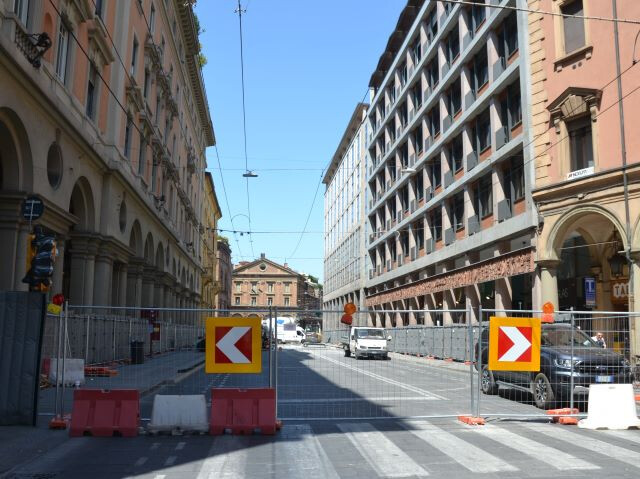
(349, 418)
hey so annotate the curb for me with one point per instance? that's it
(182, 375)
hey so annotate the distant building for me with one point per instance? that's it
(261, 284)
(223, 274)
(345, 221)
(210, 215)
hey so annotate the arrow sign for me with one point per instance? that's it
(233, 345)
(514, 344)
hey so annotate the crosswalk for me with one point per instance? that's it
(421, 448)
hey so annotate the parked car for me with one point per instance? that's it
(591, 364)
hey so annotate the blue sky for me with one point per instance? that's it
(307, 65)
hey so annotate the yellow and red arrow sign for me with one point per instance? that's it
(514, 344)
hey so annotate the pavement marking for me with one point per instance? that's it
(170, 460)
(625, 435)
(584, 441)
(354, 399)
(464, 453)
(408, 387)
(302, 455)
(159, 476)
(180, 445)
(541, 452)
(154, 446)
(387, 459)
(226, 458)
(141, 461)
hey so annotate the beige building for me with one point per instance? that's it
(109, 128)
(223, 274)
(210, 215)
(587, 161)
(261, 284)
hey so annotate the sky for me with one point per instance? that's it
(306, 66)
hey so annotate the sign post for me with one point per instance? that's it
(514, 344)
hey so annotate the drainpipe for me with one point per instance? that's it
(623, 146)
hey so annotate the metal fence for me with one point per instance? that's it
(403, 372)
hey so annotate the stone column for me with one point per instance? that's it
(148, 276)
(503, 293)
(21, 259)
(83, 255)
(549, 281)
(473, 301)
(58, 269)
(634, 305)
(134, 283)
(122, 284)
(9, 241)
(102, 279)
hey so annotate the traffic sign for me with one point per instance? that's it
(32, 208)
(233, 345)
(589, 291)
(514, 344)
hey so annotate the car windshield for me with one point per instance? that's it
(370, 333)
(563, 337)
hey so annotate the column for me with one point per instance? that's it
(82, 272)
(9, 241)
(134, 283)
(634, 306)
(549, 281)
(21, 259)
(58, 269)
(148, 275)
(447, 304)
(122, 284)
(503, 293)
(473, 302)
(102, 279)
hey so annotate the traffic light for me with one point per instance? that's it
(41, 255)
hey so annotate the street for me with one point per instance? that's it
(333, 409)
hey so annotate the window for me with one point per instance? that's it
(580, 143)
(478, 14)
(152, 19)
(433, 121)
(287, 288)
(402, 74)
(418, 140)
(142, 157)
(455, 154)
(416, 51)
(435, 223)
(514, 107)
(482, 132)
(92, 94)
(508, 37)
(134, 55)
(458, 211)
(452, 45)
(432, 74)
(479, 70)
(63, 52)
(154, 174)
(432, 25)
(483, 197)
(404, 243)
(287, 302)
(21, 9)
(574, 35)
(419, 235)
(416, 93)
(254, 301)
(127, 139)
(238, 287)
(269, 301)
(418, 185)
(237, 300)
(147, 84)
(435, 173)
(254, 287)
(514, 180)
(269, 287)
(454, 98)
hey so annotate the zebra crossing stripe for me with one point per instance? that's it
(387, 459)
(461, 451)
(226, 459)
(584, 441)
(631, 436)
(303, 454)
(549, 455)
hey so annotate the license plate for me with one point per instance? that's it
(604, 379)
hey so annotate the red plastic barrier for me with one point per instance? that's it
(105, 413)
(243, 411)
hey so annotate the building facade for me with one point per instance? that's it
(210, 215)
(109, 127)
(450, 176)
(345, 221)
(225, 270)
(262, 284)
(586, 159)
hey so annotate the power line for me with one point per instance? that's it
(541, 12)
(226, 198)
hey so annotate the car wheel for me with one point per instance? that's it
(387, 357)
(542, 391)
(347, 353)
(487, 382)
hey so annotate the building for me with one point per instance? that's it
(587, 159)
(451, 215)
(310, 304)
(262, 284)
(210, 215)
(103, 114)
(345, 221)
(225, 270)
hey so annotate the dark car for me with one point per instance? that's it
(592, 364)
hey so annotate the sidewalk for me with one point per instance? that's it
(19, 444)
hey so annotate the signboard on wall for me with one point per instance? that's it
(589, 292)
(620, 291)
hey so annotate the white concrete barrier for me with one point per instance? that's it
(611, 406)
(179, 413)
(73, 371)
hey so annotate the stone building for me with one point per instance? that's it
(587, 162)
(109, 127)
(261, 284)
(223, 274)
(210, 215)
(451, 215)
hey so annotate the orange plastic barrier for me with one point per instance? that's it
(102, 413)
(243, 411)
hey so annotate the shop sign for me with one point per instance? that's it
(589, 291)
(619, 291)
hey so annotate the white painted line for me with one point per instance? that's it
(354, 399)
(159, 476)
(226, 459)
(541, 452)
(408, 387)
(300, 454)
(170, 460)
(627, 435)
(141, 461)
(387, 459)
(154, 446)
(461, 451)
(180, 445)
(584, 441)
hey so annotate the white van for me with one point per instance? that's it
(288, 330)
